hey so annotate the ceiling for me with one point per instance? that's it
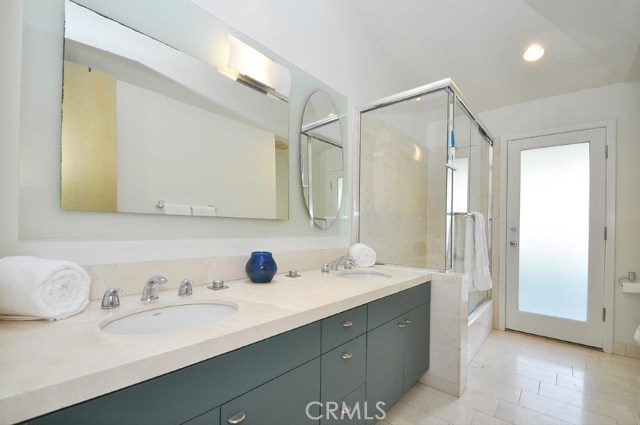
(479, 44)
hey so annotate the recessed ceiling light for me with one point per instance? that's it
(533, 53)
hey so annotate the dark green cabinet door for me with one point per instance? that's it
(282, 401)
(384, 364)
(416, 345)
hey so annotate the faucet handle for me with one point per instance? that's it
(186, 288)
(348, 263)
(111, 299)
(325, 268)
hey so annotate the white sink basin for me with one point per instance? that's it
(168, 319)
(363, 275)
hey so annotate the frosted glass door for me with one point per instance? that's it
(554, 206)
(555, 236)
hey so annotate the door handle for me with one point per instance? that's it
(514, 243)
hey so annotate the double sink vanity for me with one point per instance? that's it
(253, 354)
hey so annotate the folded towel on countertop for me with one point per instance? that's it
(363, 255)
(476, 253)
(35, 288)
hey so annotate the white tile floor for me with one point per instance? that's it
(522, 379)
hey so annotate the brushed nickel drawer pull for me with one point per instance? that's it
(237, 419)
(347, 355)
(347, 324)
(402, 325)
(408, 322)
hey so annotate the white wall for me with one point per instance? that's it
(344, 58)
(620, 102)
(325, 38)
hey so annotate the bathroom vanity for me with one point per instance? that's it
(315, 339)
(374, 352)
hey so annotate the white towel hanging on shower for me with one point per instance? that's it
(476, 253)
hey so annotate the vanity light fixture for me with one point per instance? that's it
(533, 53)
(254, 69)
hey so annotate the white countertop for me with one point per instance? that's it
(45, 366)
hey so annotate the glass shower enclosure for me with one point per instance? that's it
(425, 164)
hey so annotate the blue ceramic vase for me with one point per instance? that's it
(261, 267)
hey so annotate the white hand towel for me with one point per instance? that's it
(362, 255)
(469, 249)
(176, 209)
(35, 288)
(207, 211)
(476, 262)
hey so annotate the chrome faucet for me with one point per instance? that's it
(348, 261)
(186, 288)
(151, 288)
(111, 299)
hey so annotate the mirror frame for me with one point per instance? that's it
(325, 118)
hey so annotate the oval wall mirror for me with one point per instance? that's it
(321, 159)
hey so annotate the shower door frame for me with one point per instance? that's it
(610, 209)
(454, 92)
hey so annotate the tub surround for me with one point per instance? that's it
(81, 362)
(480, 326)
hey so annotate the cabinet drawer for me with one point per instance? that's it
(354, 410)
(387, 308)
(343, 327)
(344, 369)
(212, 417)
(283, 401)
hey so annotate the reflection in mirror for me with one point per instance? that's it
(149, 129)
(321, 159)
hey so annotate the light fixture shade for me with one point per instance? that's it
(533, 53)
(248, 62)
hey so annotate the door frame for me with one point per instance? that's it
(610, 219)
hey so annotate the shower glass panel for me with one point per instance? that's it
(403, 181)
(414, 197)
(472, 177)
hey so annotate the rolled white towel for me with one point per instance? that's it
(363, 255)
(35, 288)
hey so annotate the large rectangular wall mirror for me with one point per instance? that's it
(149, 129)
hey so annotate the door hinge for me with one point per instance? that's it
(606, 233)
(606, 151)
(604, 314)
